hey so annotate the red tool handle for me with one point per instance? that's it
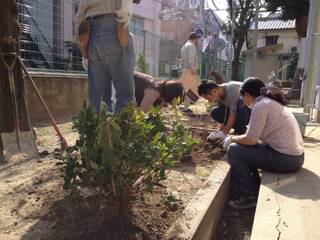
(53, 122)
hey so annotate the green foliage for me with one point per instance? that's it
(290, 9)
(243, 13)
(142, 65)
(130, 149)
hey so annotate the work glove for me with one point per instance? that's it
(216, 136)
(226, 143)
(85, 63)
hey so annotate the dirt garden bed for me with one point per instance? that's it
(34, 205)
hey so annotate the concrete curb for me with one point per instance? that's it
(200, 218)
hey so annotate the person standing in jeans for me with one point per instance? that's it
(273, 141)
(230, 112)
(110, 51)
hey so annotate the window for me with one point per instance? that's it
(137, 26)
(271, 40)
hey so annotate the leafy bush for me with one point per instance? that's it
(142, 65)
(118, 153)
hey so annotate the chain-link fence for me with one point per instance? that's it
(48, 42)
(47, 35)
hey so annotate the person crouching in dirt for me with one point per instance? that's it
(230, 112)
(273, 141)
(152, 92)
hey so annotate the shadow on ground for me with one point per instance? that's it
(300, 185)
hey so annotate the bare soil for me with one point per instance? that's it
(34, 205)
(235, 225)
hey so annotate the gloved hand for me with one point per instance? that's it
(85, 63)
(226, 143)
(216, 136)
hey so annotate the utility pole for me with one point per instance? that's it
(314, 56)
(255, 40)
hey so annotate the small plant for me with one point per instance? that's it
(142, 65)
(122, 152)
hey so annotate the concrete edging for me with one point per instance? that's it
(200, 218)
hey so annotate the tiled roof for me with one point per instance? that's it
(273, 24)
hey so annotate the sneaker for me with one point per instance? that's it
(243, 203)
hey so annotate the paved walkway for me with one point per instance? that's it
(289, 204)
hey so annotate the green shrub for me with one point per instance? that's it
(126, 151)
(142, 65)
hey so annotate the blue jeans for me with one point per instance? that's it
(246, 160)
(109, 63)
(242, 118)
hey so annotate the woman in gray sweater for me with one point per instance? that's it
(273, 141)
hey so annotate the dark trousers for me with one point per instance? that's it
(246, 160)
(242, 118)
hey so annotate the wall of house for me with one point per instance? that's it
(267, 61)
(149, 43)
(288, 38)
(176, 30)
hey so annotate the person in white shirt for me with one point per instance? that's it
(189, 77)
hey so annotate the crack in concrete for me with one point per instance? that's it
(278, 212)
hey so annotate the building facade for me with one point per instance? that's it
(179, 18)
(276, 40)
(145, 26)
(48, 37)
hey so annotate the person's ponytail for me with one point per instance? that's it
(274, 92)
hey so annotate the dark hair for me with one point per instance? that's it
(193, 36)
(252, 86)
(218, 77)
(171, 90)
(206, 86)
(255, 88)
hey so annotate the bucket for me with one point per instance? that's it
(302, 119)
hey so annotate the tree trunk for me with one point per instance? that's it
(9, 42)
(236, 61)
(302, 26)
